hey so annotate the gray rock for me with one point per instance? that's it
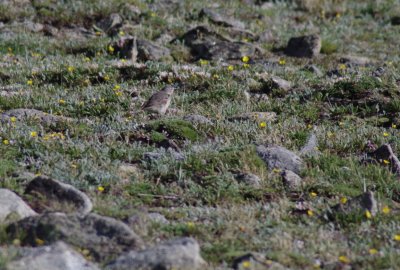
(311, 146)
(12, 207)
(24, 114)
(304, 46)
(53, 195)
(220, 19)
(280, 158)
(152, 156)
(279, 83)
(197, 119)
(58, 256)
(139, 49)
(291, 180)
(255, 116)
(314, 69)
(249, 179)
(385, 154)
(207, 44)
(359, 204)
(104, 237)
(111, 24)
(183, 253)
(157, 218)
(148, 51)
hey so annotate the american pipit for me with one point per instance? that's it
(160, 101)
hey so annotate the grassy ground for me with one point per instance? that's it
(75, 78)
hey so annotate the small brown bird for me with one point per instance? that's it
(160, 101)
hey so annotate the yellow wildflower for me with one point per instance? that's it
(106, 78)
(33, 134)
(282, 62)
(342, 66)
(309, 126)
(385, 161)
(190, 225)
(386, 210)
(6, 142)
(216, 76)
(61, 101)
(263, 125)
(123, 60)
(100, 188)
(117, 87)
(153, 14)
(338, 15)
(118, 93)
(310, 212)
(343, 200)
(344, 259)
(245, 59)
(111, 49)
(87, 59)
(397, 237)
(330, 134)
(394, 126)
(121, 33)
(13, 119)
(203, 62)
(385, 134)
(373, 251)
(98, 33)
(245, 65)
(368, 214)
(313, 194)
(70, 69)
(246, 264)
(276, 170)
(39, 242)
(246, 40)
(231, 68)
(29, 82)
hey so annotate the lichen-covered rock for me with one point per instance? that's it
(291, 180)
(220, 19)
(25, 114)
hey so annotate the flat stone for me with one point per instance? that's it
(53, 195)
(58, 256)
(278, 157)
(12, 207)
(157, 218)
(304, 46)
(104, 237)
(179, 254)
